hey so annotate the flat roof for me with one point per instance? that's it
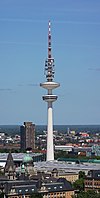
(17, 156)
(65, 166)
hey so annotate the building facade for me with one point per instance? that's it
(92, 180)
(69, 176)
(19, 189)
(27, 132)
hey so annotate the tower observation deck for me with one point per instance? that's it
(49, 98)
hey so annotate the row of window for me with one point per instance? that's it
(55, 187)
(20, 190)
(26, 196)
(26, 190)
(62, 195)
(88, 183)
(51, 195)
(91, 183)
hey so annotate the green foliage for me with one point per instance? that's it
(1, 173)
(64, 154)
(60, 154)
(1, 195)
(3, 150)
(88, 194)
(79, 184)
(13, 150)
(81, 174)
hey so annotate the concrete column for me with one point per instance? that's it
(50, 147)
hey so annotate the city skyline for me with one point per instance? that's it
(75, 48)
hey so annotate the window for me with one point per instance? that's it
(26, 190)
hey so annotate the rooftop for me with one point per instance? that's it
(17, 156)
(65, 166)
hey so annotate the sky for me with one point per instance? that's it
(75, 27)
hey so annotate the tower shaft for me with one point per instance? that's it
(50, 147)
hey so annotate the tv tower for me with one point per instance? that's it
(49, 98)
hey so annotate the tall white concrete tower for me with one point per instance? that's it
(49, 98)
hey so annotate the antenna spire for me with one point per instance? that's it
(49, 40)
(49, 63)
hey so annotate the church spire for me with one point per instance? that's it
(9, 167)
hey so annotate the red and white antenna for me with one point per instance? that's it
(49, 40)
(49, 63)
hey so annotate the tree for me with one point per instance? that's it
(61, 154)
(1, 195)
(36, 195)
(79, 184)
(88, 194)
(82, 174)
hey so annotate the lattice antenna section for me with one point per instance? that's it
(49, 63)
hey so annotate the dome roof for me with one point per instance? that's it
(27, 158)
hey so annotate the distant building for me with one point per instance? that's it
(25, 188)
(92, 180)
(27, 132)
(18, 158)
(64, 147)
(69, 176)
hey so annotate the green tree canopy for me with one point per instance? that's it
(1, 195)
(81, 174)
(79, 184)
(88, 194)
